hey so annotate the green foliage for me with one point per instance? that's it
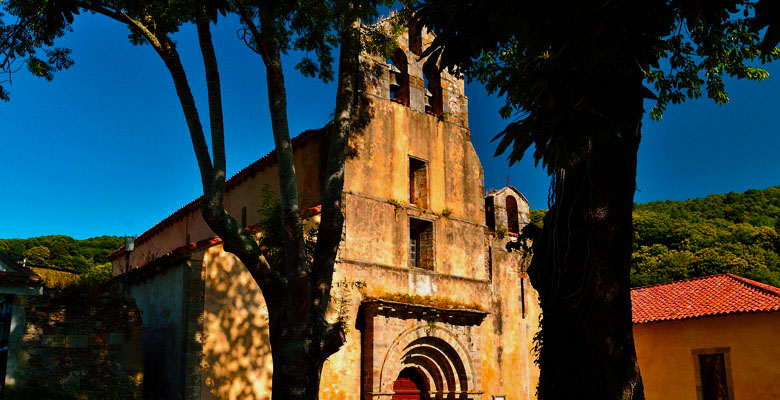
(396, 203)
(38, 255)
(54, 279)
(446, 212)
(342, 299)
(501, 231)
(271, 240)
(93, 277)
(27, 33)
(537, 218)
(29, 28)
(430, 301)
(382, 38)
(61, 251)
(573, 73)
(734, 232)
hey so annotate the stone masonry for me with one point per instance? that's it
(76, 342)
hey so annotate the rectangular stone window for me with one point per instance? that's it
(418, 182)
(713, 374)
(490, 213)
(420, 244)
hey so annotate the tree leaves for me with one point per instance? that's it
(577, 76)
(27, 28)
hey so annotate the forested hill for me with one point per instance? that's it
(61, 251)
(734, 232)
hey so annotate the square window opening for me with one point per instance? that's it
(418, 182)
(420, 244)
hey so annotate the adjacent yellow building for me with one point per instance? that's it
(711, 338)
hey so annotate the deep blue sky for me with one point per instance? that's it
(103, 149)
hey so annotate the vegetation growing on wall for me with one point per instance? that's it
(734, 232)
(429, 301)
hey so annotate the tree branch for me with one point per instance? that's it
(331, 340)
(330, 229)
(215, 103)
(247, 19)
(167, 51)
(295, 267)
(234, 237)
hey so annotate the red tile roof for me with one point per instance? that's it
(215, 240)
(707, 296)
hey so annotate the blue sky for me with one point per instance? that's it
(104, 149)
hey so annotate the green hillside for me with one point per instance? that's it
(61, 251)
(734, 232)
(85, 258)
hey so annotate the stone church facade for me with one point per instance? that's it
(437, 307)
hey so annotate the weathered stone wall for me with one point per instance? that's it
(502, 342)
(509, 367)
(378, 233)
(76, 342)
(380, 166)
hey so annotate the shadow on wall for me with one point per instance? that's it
(76, 341)
(158, 354)
(237, 355)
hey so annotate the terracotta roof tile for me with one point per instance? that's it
(707, 296)
(215, 240)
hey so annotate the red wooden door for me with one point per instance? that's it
(405, 389)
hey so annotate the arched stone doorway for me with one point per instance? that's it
(441, 359)
(447, 371)
(411, 385)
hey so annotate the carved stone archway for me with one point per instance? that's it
(434, 342)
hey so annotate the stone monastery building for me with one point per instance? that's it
(437, 307)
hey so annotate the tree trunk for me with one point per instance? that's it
(581, 270)
(299, 348)
(297, 369)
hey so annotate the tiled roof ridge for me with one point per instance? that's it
(762, 287)
(680, 281)
(197, 245)
(768, 289)
(215, 240)
(237, 178)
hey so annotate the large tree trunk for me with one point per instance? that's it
(301, 338)
(297, 368)
(581, 269)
